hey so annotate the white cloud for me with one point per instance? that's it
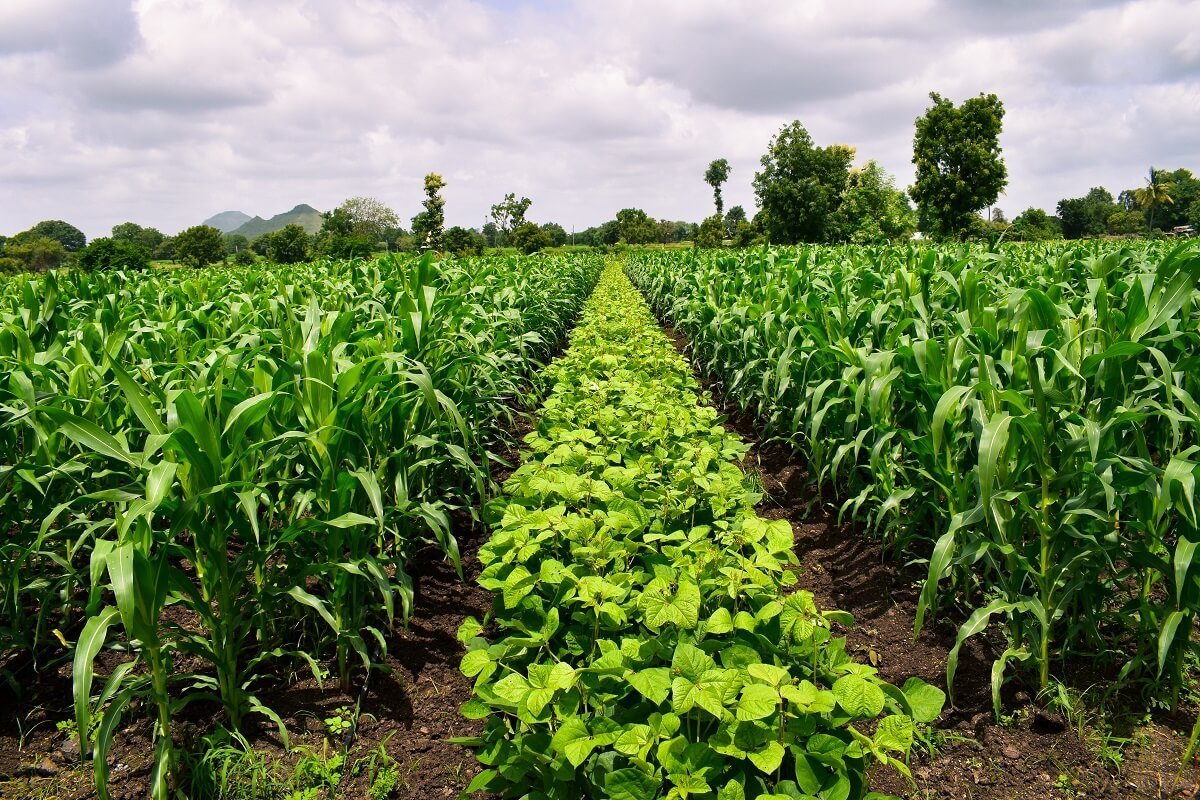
(166, 111)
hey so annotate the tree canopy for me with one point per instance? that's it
(199, 246)
(800, 185)
(427, 226)
(960, 169)
(872, 209)
(716, 174)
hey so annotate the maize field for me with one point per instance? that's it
(1021, 420)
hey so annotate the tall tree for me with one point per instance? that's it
(716, 174)
(508, 215)
(288, 245)
(1155, 194)
(635, 226)
(800, 185)
(872, 209)
(199, 246)
(960, 170)
(428, 225)
(369, 216)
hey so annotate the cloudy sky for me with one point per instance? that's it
(167, 111)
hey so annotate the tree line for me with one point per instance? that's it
(805, 193)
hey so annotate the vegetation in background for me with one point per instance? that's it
(959, 166)
(716, 174)
(800, 185)
(427, 226)
(114, 254)
(199, 246)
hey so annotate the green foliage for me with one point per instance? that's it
(530, 238)
(507, 216)
(66, 234)
(634, 226)
(1021, 419)
(872, 210)
(244, 258)
(1035, 225)
(800, 185)
(959, 167)
(463, 241)
(1125, 223)
(716, 174)
(1156, 194)
(33, 253)
(288, 245)
(260, 450)
(200, 246)
(112, 254)
(1088, 215)
(149, 238)
(711, 233)
(556, 232)
(732, 218)
(648, 639)
(427, 226)
(369, 217)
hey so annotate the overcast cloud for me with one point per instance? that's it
(165, 112)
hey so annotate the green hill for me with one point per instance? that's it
(303, 215)
(228, 221)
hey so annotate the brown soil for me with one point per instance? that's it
(1035, 754)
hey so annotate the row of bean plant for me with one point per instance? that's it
(1024, 420)
(221, 474)
(647, 639)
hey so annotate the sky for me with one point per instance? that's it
(165, 112)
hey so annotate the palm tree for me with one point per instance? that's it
(1155, 194)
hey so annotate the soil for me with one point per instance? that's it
(1035, 753)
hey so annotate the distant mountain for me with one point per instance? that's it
(227, 221)
(303, 215)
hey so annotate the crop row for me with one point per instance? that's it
(647, 637)
(1023, 420)
(221, 474)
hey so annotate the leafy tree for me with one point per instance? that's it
(288, 245)
(530, 238)
(800, 185)
(732, 218)
(261, 244)
(716, 174)
(244, 257)
(199, 246)
(338, 238)
(66, 234)
(490, 233)
(37, 253)
(427, 226)
(1035, 225)
(165, 250)
(1193, 215)
(1087, 215)
(149, 238)
(558, 234)
(872, 209)
(635, 226)
(1125, 223)
(1185, 190)
(111, 254)
(1155, 194)
(369, 217)
(959, 165)
(463, 241)
(235, 243)
(508, 215)
(747, 234)
(711, 233)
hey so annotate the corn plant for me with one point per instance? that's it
(232, 467)
(1023, 419)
